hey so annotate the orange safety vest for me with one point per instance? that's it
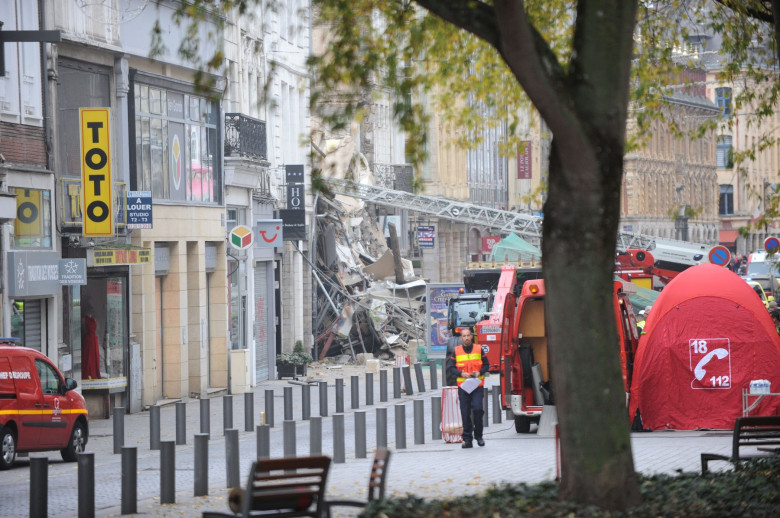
(469, 362)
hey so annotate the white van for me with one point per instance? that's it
(759, 270)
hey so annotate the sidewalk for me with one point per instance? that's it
(428, 470)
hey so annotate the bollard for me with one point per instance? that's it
(167, 472)
(231, 458)
(338, 438)
(400, 426)
(249, 411)
(369, 388)
(315, 436)
(339, 395)
(436, 418)
(201, 465)
(269, 408)
(227, 413)
(119, 429)
(434, 377)
(444, 372)
(323, 399)
(86, 481)
(496, 404)
(288, 404)
(381, 427)
(419, 421)
(129, 480)
(396, 382)
(288, 436)
(181, 422)
(383, 386)
(154, 427)
(360, 434)
(39, 487)
(355, 391)
(420, 379)
(407, 372)
(305, 402)
(485, 420)
(205, 416)
(263, 441)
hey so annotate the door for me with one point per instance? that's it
(29, 401)
(54, 424)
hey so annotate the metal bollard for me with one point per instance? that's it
(227, 413)
(420, 379)
(305, 402)
(231, 458)
(400, 426)
(269, 408)
(263, 441)
(323, 398)
(381, 427)
(39, 487)
(434, 377)
(360, 434)
(338, 438)
(86, 481)
(315, 436)
(288, 404)
(496, 404)
(181, 422)
(288, 436)
(129, 480)
(205, 416)
(436, 418)
(201, 465)
(383, 386)
(419, 421)
(485, 420)
(154, 427)
(396, 382)
(119, 429)
(249, 411)
(167, 472)
(354, 387)
(339, 395)
(369, 388)
(407, 372)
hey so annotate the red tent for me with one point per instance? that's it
(708, 335)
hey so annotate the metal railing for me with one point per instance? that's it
(245, 136)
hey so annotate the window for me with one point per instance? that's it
(32, 226)
(723, 100)
(726, 200)
(176, 152)
(50, 380)
(725, 159)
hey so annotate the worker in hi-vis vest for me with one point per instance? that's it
(469, 364)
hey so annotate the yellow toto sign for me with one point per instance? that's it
(96, 172)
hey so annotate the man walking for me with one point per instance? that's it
(469, 364)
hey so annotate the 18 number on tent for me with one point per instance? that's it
(710, 363)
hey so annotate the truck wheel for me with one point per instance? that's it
(76, 444)
(8, 444)
(522, 424)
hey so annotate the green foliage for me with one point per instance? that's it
(749, 490)
(297, 357)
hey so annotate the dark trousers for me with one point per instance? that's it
(471, 405)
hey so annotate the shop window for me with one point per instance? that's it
(32, 226)
(27, 322)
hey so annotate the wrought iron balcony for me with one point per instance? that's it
(245, 136)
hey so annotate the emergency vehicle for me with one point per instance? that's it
(39, 408)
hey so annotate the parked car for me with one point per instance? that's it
(39, 408)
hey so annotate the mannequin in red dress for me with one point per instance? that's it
(90, 350)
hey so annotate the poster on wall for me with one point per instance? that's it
(437, 300)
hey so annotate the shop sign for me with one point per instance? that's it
(426, 236)
(118, 256)
(294, 224)
(269, 233)
(73, 272)
(139, 209)
(96, 172)
(28, 213)
(488, 242)
(33, 273)
(241, 237)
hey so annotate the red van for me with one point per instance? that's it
(39, 408)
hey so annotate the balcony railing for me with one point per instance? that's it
(245, 136)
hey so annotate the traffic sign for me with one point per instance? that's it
(720, 255)
(771, 244)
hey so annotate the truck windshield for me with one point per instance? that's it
(758, 268)
(469, 312)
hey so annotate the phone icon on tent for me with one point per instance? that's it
(710, 363)
(699, 371)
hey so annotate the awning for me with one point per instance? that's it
(728, 237)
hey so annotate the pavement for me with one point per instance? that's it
(428, 470)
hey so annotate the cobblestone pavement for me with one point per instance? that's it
(428, 470)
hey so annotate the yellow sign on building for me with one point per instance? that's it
(114, 256)
(96, 172)
(28, 213)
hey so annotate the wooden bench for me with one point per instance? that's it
(376, 483)
(749, 432)
(285, 487)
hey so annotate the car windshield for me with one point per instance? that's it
(468, 313)
(758, 268)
